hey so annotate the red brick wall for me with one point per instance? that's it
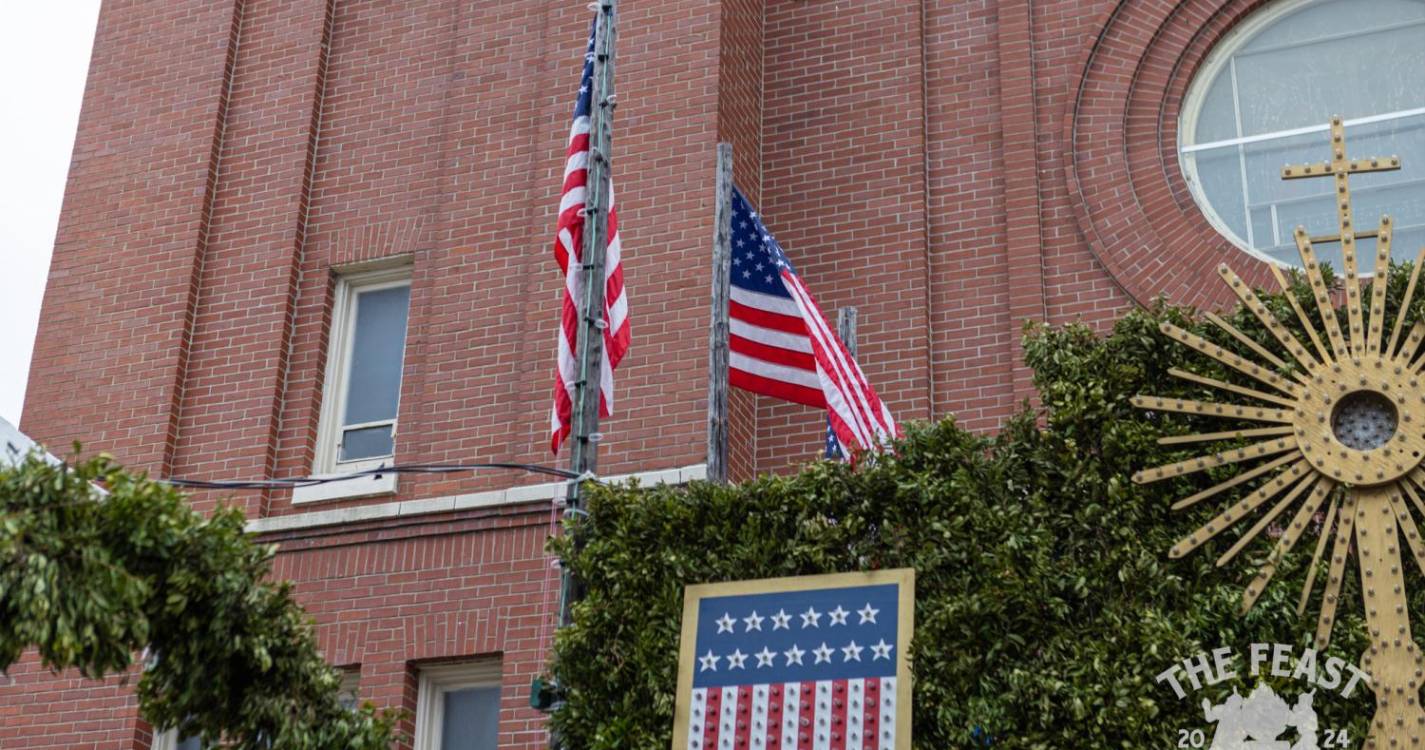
(955, 170)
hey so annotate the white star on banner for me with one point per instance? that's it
(724, 623)
(868, 614)
(810, 618)
(838, 615)
(851, 652)
(794, 655)
(736, 659)
(764, 657)
(881, 650)
(709, 662)
(754, 621)
(823, 654)
(780, 620)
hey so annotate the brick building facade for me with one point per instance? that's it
(956, 169)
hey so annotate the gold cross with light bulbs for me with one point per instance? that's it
(1345, 425)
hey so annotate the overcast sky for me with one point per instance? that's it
(44, 56)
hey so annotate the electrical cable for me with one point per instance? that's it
(289, 483)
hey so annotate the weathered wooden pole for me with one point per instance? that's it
(718, 326)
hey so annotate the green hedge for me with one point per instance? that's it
(1046, 602)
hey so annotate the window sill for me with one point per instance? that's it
(365, 486)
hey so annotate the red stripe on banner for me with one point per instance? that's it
(774, 717)
(774, 321)
(744, 717)
(806, 716)
(774, 354)
(838, 715)
(712, 718)
(776, 388)
(871, 707)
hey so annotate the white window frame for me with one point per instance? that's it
(330, 429)
(439, 679)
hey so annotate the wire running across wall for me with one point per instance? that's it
(294, 482)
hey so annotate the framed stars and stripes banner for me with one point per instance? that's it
(809, 663)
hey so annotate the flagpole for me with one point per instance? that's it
(584, 456)
(846, 330)
(589, 351)
(717, 329)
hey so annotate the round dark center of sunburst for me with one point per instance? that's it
(1364, 420)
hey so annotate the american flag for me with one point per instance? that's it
(569, 244)
(779, 343)
(797, 670)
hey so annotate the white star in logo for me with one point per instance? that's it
(724, 623)
(736, 659)
(758, 267)
(743, 224)
(810, 618)
(754, 214)
(709, 662)
(769, 279)
(780, 620)
(794, 656)
(868, 614)
(851, 652)
(754, 621)
(736, 261)
(823, 654)
(838, 615)
(881, 650)
(764, 657)
(746, 274)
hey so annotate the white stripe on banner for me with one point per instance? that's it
(696, 719)
(855, 693)
(727, 727)
(888, 713)
(780, 339)
(739, 361)
(791, 708)
(821, 723)
(758, 733)
(779, 305)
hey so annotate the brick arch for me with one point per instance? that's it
(1129, 195)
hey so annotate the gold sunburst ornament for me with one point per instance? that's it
(1347, 415)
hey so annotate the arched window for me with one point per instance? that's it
(1263, 98)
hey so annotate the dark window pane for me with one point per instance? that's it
(189, 743)
(374, 383)
(367, 442)
(471, 720)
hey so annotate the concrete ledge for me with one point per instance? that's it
(548, 491)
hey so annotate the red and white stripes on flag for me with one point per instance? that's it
(851, 714)
(568, 249)
(779, 343)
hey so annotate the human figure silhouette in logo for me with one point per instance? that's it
(1255, 723)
